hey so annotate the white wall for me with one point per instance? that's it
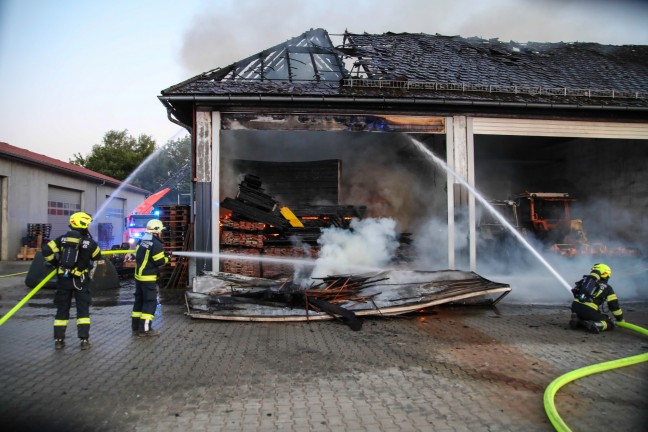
(27, 195)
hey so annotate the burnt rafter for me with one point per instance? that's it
(308, 57)
(415, 70)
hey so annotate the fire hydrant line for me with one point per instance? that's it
(555, 385)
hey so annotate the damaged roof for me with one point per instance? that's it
(422, 66)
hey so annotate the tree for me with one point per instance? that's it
(169, 167)
(118, 156)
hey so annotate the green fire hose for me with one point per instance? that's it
(44, 281)
(555, 385)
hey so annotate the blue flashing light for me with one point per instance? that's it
(156, 212)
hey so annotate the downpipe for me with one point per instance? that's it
(555, 385)
(42, 283)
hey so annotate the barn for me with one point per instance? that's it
(426, 130)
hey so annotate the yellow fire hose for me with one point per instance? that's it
(43, 282)
(556, 384)
(13, 274)
(27, 297)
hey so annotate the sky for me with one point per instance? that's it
(72, 70)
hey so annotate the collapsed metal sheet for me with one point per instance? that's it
(240, 298)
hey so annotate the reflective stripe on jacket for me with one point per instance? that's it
(149, 255)
(88, 251)
(604, 293)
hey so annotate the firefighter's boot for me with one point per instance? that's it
(594, 326)
(135, 324)
(574, 322)
(146, 328)
(59, 344)
(85, 344)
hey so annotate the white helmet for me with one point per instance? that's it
(154, 226)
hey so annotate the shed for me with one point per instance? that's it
(39, 193)
(505, 117)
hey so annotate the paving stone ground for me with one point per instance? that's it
(457, 368)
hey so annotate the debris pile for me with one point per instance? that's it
(259, 225)
(231, 297)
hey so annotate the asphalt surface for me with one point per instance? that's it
(456, 368)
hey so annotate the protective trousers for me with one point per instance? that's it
(144, 306)
(586, 313)
(67, 288)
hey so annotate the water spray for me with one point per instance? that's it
(309, 262)
(132, 175)
(490, 208)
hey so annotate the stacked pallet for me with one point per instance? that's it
(176, 220)
(251, 268)
(276, 269)
(31, 243)
(241, 238)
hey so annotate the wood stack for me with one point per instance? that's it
(36, 233)
(256, 226)
(176, 238)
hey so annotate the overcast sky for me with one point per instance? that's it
(72, 70)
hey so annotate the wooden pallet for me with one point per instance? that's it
(26, 253)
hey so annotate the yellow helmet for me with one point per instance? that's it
(154, 226)
(80, 220)
(603, 270)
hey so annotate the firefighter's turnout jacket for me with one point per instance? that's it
(149, 255)
(88, 251)
(601, 294)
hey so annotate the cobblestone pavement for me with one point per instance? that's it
(454, 369)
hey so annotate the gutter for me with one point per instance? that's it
(167, 100)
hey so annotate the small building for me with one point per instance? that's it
(39, 193)
(505, 117)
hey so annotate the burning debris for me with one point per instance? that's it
(266, 248)
(259, 225)
(346, 297)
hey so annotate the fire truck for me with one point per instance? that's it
(136, 221)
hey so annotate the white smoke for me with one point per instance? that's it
(369, 244)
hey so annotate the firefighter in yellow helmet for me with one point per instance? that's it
(73, 254)
(149, 256)
(589, 295)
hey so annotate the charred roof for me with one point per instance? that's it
(437, 67)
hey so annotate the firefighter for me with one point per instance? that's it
(149, 256)
(73, 255)
(589, 295)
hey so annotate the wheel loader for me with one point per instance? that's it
(546, 216)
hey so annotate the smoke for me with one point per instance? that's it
(379, 171)
(230, 31)
(369, 244)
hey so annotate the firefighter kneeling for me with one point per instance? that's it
(589, 295)
(149, 256)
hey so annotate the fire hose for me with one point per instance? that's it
(42, 283)
(555, 385)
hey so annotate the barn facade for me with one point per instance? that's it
(392, 109)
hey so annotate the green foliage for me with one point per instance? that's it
(149, 167)
(169, 167)
(118, 156)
